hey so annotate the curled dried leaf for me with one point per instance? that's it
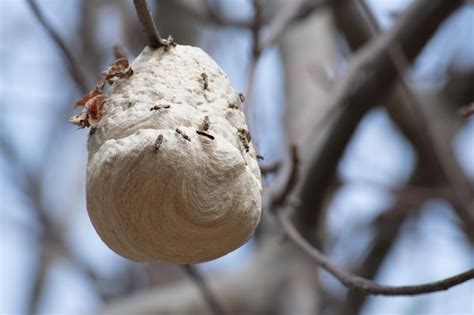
(94, 107)
(99, 86)
(98, 90)
(92, 114)
(120, 69)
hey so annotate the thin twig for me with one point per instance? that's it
(75, 70)
(360, 284)
(278, 193)
(73, 66)
(149, 27)
(210, 299)
(256, 27)
(256, 52)
(40, 280)
(291, 180)
(270, 168)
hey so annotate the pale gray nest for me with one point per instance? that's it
(187, 198)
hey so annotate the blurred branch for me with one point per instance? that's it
(284, 184)
(283, 191)
(467, 110)
(280, 22)
(461, 190)
(255, 55)
(31, 179)
(42, 269)
(388, 228)
(360, 284)
(214, 16)
(211, 300)
(369, 77)
(358, 31)
(206, 13)
(266, 169)
(51, 242)
(144, 15)
(292, 11)
(73, 67)
(119, 51)
(406, 194)
(289, 13)
(252, 289)
(256, 28)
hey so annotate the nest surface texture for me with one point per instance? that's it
(187, 197)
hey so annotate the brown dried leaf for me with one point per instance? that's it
(120, 69)
(92, 114)
(98, 90)
(99, 86)
(94, 107)
(87, 97)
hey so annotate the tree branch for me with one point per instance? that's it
(466, 111)
(144, 15)
(360, 284)
(119, 51)
(424, 130)
(369, 76)
(388, 228)
(255, 27)
(255, 288)
(73, 67)
(290, 12)
(207, 294)
(269, 168)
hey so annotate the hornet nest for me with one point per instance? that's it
(172, 174)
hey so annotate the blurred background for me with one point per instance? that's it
(384, 202)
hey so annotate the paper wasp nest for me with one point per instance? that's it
(172, 175)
